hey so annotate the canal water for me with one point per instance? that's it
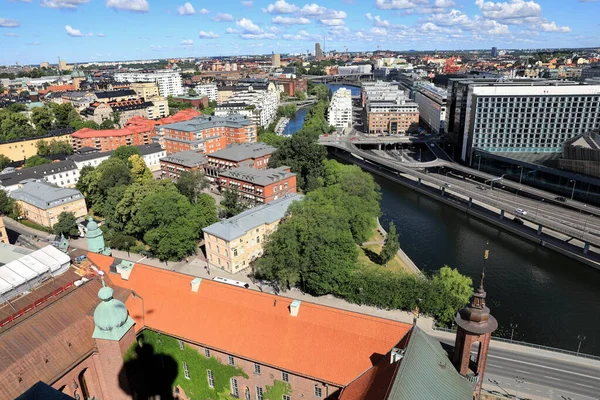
(549, 298)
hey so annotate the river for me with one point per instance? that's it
(550, 298)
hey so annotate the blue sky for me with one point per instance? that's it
(32, 31)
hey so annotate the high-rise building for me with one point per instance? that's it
(276, 60)
(432, 107)
(494, 52)
(318, 52)
(339, 113)
(524, 115)
(168, 81)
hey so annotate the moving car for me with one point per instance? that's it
(520, 211)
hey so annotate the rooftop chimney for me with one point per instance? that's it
(295, 307)
(196, 284)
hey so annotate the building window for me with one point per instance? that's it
(318, 391)
(247, 394)
(285, 397)
(207, 353)
(186, 372)
(285, 377)
(230, 360)
(180, 344)
(257, 369)
(211, 378)
(234, 388)
(259, 393)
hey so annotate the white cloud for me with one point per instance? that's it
(203, 11)
(258, 36)
(186, 9)
(63, 3)
(187, 43)
(511, 10)
(332, 22)
(315, 10)
(207, 35)
(100, 34)
(73, 32)
(33, 43)
(453, 18)
(12, 34)
(9, 23)
(377, 21)
(379, 31)
(231, 30)
(552, 27)
(247, 3)
(281, 7)
(290, 20)
(399, 4)
(222, 17)
(248, 26)
(129, 5)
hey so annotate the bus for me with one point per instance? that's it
(231, 282)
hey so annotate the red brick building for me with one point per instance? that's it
(174, 164)
(208, 134)
(254, 155)
(259, 185)
(110, 139)
(291, 85)
(196, 101)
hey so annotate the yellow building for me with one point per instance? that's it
(42, 203)
(145, 90)
(3, 234)
(233, 244)
(19, 150)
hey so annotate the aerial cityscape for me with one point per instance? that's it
(279, 200)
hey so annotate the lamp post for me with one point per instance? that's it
(512, 330)
(581, 339)
(478, 162)
(574, 183)
(137, 296)
(520, 179)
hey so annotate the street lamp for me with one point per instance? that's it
(581, 339)
(478, 162)
(574, 183)
(137, 296)
(512, 330)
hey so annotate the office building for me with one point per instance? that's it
(253, 155)
(207, 89)
(207, 134)
(173, 165)
(42, 203)
(291, 85)
(168, 81)
(339, 114)
(258, 185)
(520, 116)
(318, 52)
(581, 154)
(432, 103)
(494, 52)
(276, 61)
(232, 244)
(387, 109)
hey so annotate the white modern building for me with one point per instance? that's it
(207, 89)
(355, 69)
(339, 113)
(532, 116)
(260, 106)
(168, 81)
(432, 103)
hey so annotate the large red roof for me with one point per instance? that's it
(180, 116)
(85, 133)
(324, 343)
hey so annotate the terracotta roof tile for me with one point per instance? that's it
(325, 343)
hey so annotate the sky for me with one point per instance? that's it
(33, 31)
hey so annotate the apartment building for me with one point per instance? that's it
(224, 93)
(432, 103)
(168, 81)
(339, 114)
(290, 86)
(207, 89)
(258, 185)
(111, 96)
(20, 149)
(208, 134)
(232, 244)
(533, 116)
(111, 139)
(253, 155)
(259, 106)
(387, 109)
(145, 90)
(173, 165)
(42, 203)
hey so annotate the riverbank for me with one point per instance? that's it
(409, 265)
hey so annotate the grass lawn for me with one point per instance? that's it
(33, 225)
(369, 253)
(375, 236)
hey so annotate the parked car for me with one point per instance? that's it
(520, 211)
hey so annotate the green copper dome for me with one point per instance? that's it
(92, 225)
(111, 317)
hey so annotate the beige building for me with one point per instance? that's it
(234, 243)
(3, 234)
(224, 93)
(145, 90)
(42, 203)
(19, 150)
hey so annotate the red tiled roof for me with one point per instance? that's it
(182, 115)
(61, 88)
(85, 133)
(328, 344)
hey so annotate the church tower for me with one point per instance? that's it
(474, 330)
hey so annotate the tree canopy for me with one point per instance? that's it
(391, 244)
(52, 147)
(35, 161)
(66, 225)
(124, 152)
(232, 203)
(191, 184)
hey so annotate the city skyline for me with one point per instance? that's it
(93, 30)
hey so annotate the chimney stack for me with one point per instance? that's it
(196, 284)
(295, 307)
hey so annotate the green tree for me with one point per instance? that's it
(192, 93)
(107, 124)
(78, 124)
(450, 290)
(84, 180)
(7, 205)
(321, 91)
(45, 148)
(139, 170)
(17, 107)
(116, 118)
(66, 225)
(121, 241)
(300, 95)
(35, 161)
(288, 110)
(124, 152)
(191, 184)
(42, 118)
(110, 173)
(4, 161)
(391, 244)
(271, 138)
(232, 203)
(14, 125)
